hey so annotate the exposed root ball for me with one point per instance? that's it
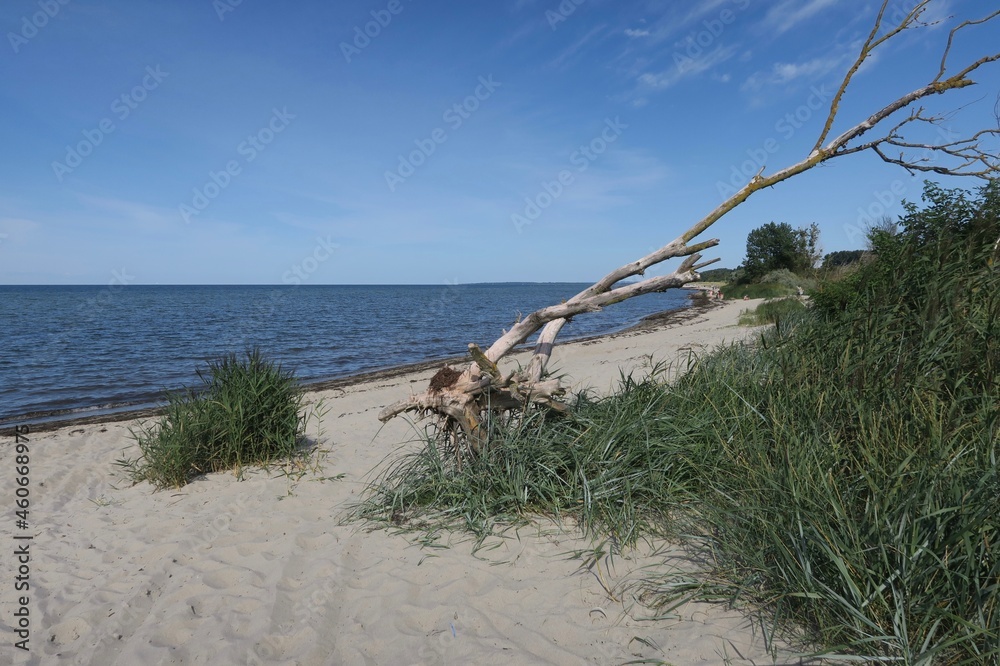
(444, 378)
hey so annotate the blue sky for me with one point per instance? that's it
(250, 142)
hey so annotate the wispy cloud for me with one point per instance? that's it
(576, 47)
(787, 73)
(702, 8)
(787, 14)
(675, 22)
(619, 179)
(678, 36)
(688, 67)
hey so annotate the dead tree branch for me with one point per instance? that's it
(463, 399)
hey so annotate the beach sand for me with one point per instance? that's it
(261, 570)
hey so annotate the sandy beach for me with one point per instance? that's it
(263, 570)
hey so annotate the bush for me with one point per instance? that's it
(247, 413)
(835, 293)
(757, 290)
(773, 312)
(789, 279)
(782, 276)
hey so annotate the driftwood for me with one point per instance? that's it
(462, 399)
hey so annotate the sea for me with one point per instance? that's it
(78, 351)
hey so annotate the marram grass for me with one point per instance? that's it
(248, 411)
(772, 311)
(841, 473)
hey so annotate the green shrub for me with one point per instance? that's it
(781, 276)
(787, 278)
(836, 292)
(756, 290)
(248, 412)
(772, 312)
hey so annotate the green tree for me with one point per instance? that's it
(774, 246)
(842, 258)
(717, 275)
(809, 250)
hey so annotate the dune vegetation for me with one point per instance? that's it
(248, 411)
(839, 475)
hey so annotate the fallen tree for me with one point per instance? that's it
(463, 399)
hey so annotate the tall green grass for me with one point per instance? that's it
(841, 473)
(772, 312)
(248, 411)
(735, 292)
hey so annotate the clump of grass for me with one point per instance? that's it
(582, 466)
(841, 475)
(772, 312)
(757, 290)
(247, 412)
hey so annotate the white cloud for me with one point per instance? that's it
(675, 21)
(637, 33)
(685, 67)
(703, 8)
(785, 73)
(789, 13)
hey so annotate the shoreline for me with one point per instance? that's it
(48, 422)
(264, 565)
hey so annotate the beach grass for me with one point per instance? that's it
(772, 312)
(248, 411)
(735, 292)
(839, 476)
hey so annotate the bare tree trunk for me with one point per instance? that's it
(463, 399)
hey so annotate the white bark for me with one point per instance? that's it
(481, 389)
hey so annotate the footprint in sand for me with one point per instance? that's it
(69, 630)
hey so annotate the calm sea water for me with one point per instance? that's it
(89, 348)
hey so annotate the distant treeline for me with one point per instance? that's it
(831, 260)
